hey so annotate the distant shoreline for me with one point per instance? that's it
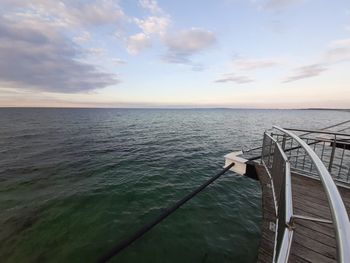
(347, 110)
(175, 108)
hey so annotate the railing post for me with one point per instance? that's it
(332, 154)
(262, 149)
(270, 150)
(284, 142)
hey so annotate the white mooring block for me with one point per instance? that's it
(240, 163)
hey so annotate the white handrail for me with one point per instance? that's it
(337, 207)
(288, 233)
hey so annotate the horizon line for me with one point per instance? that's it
(170, 108)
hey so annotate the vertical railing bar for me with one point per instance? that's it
(307, 141)
(297, 157)
(269, 156)
(263, 149)
(332, 154)
(311, 166)
(324, 143)
(284, 142)
(341, 161)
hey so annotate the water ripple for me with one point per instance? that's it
(74, 182)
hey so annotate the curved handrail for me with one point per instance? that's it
(337, 207)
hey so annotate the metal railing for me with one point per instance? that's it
(331, 147)
(278, 167)
(333, 150)
(278, 151)
(251, 151)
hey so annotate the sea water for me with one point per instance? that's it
(75, 182)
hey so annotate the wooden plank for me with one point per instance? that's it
(300, 237)
(316, 235)
(318, 227)
(304, 184)
(310, 210)
(308, 254)
(309, 199)
(312, 241)
(297, 259)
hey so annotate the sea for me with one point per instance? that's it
(75, 182)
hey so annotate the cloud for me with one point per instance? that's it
(306, 72)
(231, 77)
(183, 44)
(153, 24)
(137, 42)
(338, 51)
(247, 64)
(70, 13)
(96, 51)
(180, 46)
(280, 4)
(85, 36)
(95, 14)
(37, 56)
(118, 61)
(151, 5)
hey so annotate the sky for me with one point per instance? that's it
(165, 53)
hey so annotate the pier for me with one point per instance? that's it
(312, 241)
(305, 197)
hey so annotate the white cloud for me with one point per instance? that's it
(45, 57)
(151, 5)
(96, 14)
(96, 51)
(153, 24)
(118, 61)
(183, 44)
(338, 51)
(248, 64)
(137, 42)
(306, 72)
(191, 40)
(231, 77)
(244, 66)
(69, 13)
(37, 56)
(83, 37)
(280, 4)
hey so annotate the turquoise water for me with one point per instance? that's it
(73, 182)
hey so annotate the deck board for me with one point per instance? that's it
(312, 241)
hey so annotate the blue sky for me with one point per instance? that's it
(147, 53)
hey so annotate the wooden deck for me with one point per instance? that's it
(312, 241)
